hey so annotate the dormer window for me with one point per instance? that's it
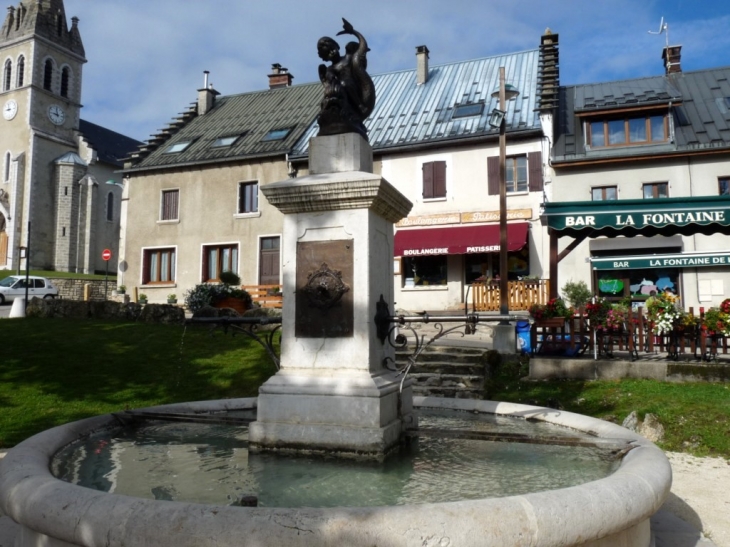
(466, 110)
(627, 131)
(178, 147)
(277, 134)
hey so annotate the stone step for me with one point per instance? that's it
(447, 380)
(450, 392)
(445, 356)
(437, 367)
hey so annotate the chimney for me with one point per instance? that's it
(279, 77)
(671, 55)
(206, 95)
(421, 64)
(548, 73)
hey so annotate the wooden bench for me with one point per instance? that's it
(266, 296)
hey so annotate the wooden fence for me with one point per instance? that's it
(522, 294)
(576, 336)
(267, 296)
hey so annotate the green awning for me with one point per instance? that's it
(648, 217)
(673, 260)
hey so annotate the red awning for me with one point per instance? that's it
(458, 240)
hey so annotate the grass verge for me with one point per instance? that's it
(56, 275)
(57, 371)
(695, 415)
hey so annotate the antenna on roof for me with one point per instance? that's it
(663, 27)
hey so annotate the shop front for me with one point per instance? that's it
(661, 261)
(435, 265)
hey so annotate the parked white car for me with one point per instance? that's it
(13, 287)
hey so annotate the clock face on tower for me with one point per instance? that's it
(56, 114)
(10, 109)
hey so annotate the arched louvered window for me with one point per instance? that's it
(21, 71)
(6, 169)
(110, 206)
(48, 75)
(7, 73)
(65, 73)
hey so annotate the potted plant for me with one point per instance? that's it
(716, 321)
(121, 289)
(142, 298)
(577, 293)
(552, 314)
(172, 298)
(219, 295)
(663, 311)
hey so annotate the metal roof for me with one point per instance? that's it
(250, 115)
(408, 114)
(405, 114)
(699, 102)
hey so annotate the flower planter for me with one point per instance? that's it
(234, 303)
(551, 322)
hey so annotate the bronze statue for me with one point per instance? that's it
(349, 92)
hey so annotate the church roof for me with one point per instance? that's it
(45, 18)
(71, 157)
(111, 147)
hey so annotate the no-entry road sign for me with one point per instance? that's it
(106, 254)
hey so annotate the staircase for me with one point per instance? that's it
(444, 371)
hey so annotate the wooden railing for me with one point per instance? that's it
(576, 336)
(522, 294)
(266, 296)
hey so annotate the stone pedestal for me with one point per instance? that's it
(333, 393)
(505, 338)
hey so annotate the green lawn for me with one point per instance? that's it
(56, 371)
(695, 416)
(66, 275)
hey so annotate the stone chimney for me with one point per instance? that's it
(421, 64)
(671, 55)
(206, 96)
(548, 73)
(279, 77)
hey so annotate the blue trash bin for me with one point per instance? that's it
(522, 331)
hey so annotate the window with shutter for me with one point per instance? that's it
(534, 160)
(493, 175)
(248, 197)
(170, 202)
(434, 180)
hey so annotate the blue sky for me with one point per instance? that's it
(146, 57)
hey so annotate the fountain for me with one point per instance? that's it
(334, 395)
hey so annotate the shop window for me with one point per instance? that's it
(169, 209)
(217, 259)
(476, 268)
(248, 197)
(158, 266)
(424, 271)
(604, 193)
(627, 131)
(656, 190)
(724, 186)
(434, 180)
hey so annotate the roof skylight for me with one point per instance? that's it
(178, 147)
(465, 110)
(228, 140)
(277, 134)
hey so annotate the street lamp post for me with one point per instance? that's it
(504, 93)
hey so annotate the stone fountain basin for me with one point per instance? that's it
(613, 511)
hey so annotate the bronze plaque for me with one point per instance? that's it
(324, 289)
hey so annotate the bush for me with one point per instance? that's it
(230, 278)
(208, 294)
(577, 293)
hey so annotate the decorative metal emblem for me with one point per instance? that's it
(324, 287)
